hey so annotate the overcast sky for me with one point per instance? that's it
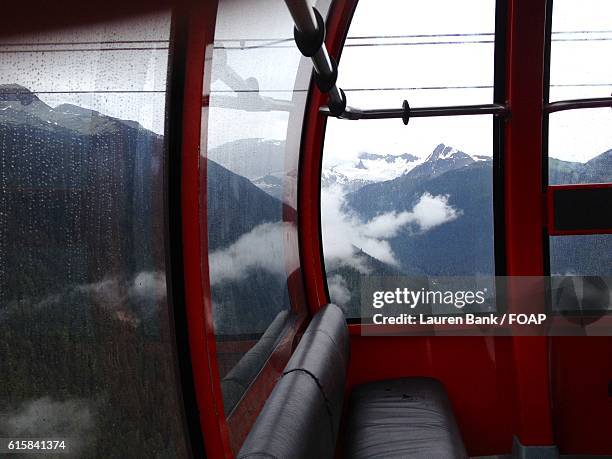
(575, 135)
(403, 62)
(60, 65)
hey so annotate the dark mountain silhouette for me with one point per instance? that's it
(237, 208)
(85, 187)
(83, 314)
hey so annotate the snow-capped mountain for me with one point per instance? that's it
(372, 168)
(443, 159)
(262, 161)
(271, 184)
(368, 168)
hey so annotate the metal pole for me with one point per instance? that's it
(577, 103)
(309, 36)
(303, 16)
(389, 113)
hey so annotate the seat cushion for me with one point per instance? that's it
(294, 422)
(301, 417)
(402, 418)
(239, 378)
(323, 353)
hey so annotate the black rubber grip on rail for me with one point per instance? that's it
(337, 108)
(406, 112)
(309, 44)
(327, 81)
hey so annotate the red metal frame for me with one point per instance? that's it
(524, 208)
(202, 17)
(239, 421)
(39, 15)
(311, 157)
(581, 371)
(527, 363)
(243, 417)
(551, 210)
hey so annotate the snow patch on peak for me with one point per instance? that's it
(370, 168)
(373, 168)
(448, 152)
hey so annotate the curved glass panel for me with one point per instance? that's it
(258, 91)
(429, 52)
(86, 348)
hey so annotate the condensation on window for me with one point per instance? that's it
(581, 274)
(85, 341)
(258, 90)
(581, 255)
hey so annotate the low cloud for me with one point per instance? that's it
(261, 249)
(144, 286)
(338, 290)
(344, 231)
(149, 285)
(130, 299)
(72, 420)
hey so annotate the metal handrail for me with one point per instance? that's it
(574, 104)
(388, 113)
(309, 36)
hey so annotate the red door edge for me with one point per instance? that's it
(201, 18)
(311, 158)
(525, 221)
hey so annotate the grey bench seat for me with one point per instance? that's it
(400, 418)
(403, 418)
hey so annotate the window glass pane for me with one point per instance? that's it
(581, 43)
(430, 53)
(580, 146)
(399, 200)
(85, 339)
(581, 255)
(259, 86)
(581, 270)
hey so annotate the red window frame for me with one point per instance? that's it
(524, 201)
(223, 436)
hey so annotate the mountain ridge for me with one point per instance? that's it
(19, 105)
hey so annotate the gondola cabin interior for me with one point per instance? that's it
(306, 229)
